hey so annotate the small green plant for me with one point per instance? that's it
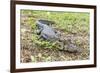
(44, 43)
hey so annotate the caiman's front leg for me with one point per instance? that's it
(39, 31)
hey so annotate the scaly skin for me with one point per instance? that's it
(46, 31)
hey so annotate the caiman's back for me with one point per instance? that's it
(47, 32)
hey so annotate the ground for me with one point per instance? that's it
(74, 26)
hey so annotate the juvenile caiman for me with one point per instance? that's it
(48, 33)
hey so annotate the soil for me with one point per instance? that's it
(31, 53)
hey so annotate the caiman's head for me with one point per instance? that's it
(44, 22)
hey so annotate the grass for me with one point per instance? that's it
(68, 23)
